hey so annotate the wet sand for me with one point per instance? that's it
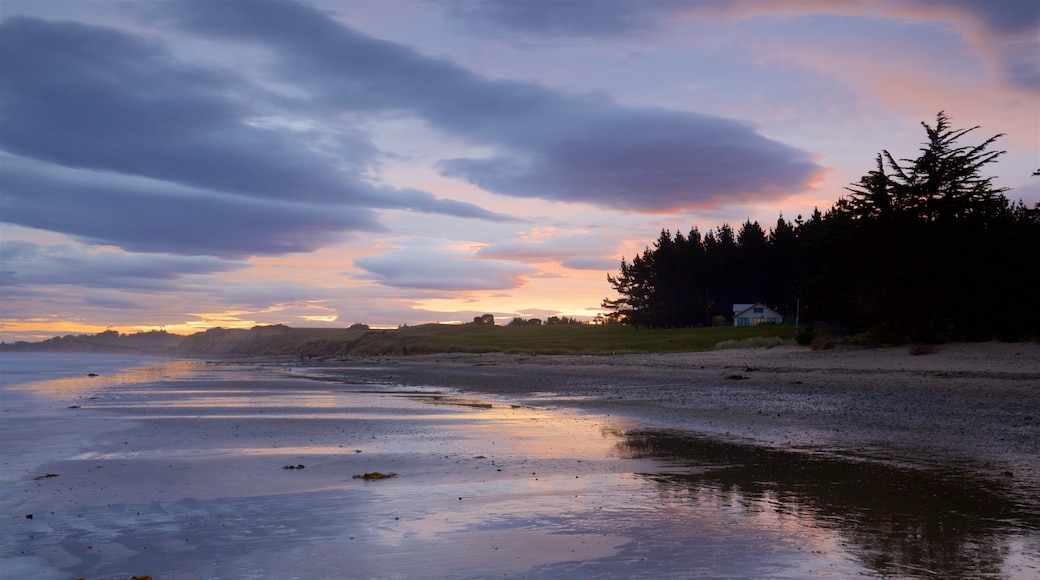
(872, 463)
(965, 402)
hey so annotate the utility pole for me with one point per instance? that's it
(797, 313)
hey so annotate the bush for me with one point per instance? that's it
(485, 320)
(754, 342)
(806, 335)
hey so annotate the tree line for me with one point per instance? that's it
(924, 249)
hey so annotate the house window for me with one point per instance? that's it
(758, 310)
(743, 321)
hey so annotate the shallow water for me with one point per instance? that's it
(895, 521)
(175, 469)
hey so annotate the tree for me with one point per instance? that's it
(633, 286)
(752, 248)
(944, 182)
(781, 271)
(924, 249)
(908, 250)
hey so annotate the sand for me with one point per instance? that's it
(782, 463)
(978, 401)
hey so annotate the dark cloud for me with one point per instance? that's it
(425, 266)
(152, 216)
(84, 96)
(552, 145)
(234, 171)
(644, 160)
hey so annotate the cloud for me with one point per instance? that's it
(277, 295)
(194, 155)
(430, 265)
(1005, 30)
(575, 250)
(145, 215)
(1004, 17)
(33, 265)
(526, 251)
(1008, 31)
(648, 160)
(549, 144)
(591, 263)
(541, 19)
(90, 97)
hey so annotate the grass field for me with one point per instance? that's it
(444, 338)
(574, 339)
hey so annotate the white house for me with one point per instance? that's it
(755, 314)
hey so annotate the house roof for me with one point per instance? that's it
(745, 307)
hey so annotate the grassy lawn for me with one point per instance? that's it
(439, 338)
(559, 339)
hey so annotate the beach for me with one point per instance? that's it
(979, 401)
(778, 463)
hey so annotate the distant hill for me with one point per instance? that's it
(276, 340)
(110, 341)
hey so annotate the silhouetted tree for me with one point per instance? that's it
(920, 249)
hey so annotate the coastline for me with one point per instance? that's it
(975, 402)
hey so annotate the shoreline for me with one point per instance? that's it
(976, 403)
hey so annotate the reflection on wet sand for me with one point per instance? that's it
(177, 470)
(897, 521)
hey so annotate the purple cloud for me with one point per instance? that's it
(144, 215)
(62, 265)
(591, 263)
(425, 265)
(575, 251)
(176, 157)
(1009, 27)
(650, 160)
(547, 19)
(551, 145)
(89, 97)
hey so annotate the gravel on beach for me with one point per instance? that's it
(976, 404)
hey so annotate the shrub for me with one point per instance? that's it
(754, 342)
(806, 335)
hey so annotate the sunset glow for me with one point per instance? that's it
(183, 165)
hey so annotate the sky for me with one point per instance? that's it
(190, 165)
